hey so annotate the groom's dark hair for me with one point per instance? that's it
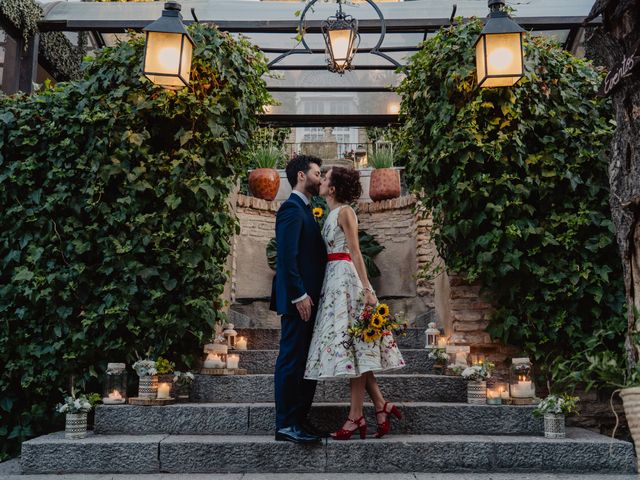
(300, 163)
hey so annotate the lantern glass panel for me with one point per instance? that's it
(168, 59)
(341, 46)
(499, 59)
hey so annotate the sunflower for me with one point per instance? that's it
(383, 310)
(377, 321)
(371, 335)
(318, 212)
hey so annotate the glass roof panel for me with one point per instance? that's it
(324, 78)
(332, 103)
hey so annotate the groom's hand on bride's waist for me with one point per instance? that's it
(304, 307)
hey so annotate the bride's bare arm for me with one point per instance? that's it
(349, 224)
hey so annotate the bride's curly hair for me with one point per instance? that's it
(346, 181)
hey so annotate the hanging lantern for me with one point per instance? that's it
(168, 49)
(499, 53)
(340, 34)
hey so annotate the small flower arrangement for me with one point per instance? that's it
(562, 404)
(164, 366)
(478, 373)
(375, 323)
(439, 355)
(183, 379)
(78, 404)
(145, 368)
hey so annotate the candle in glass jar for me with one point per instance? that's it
(522, 389)
(213, 361)
(232, 361)
(163, 390)
(241, 343)
(504, 394)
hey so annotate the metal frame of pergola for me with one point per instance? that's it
(138, 17)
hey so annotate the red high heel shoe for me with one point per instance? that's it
(385, 427)
(344, 434)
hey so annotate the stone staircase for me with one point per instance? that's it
(229, 428)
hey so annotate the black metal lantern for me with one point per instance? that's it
(168, 49)
(340, 34)
(499, 52)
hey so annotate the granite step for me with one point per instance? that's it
(269, 338)
(258, 388)
(581, 451)
(259, 419)
(264, 361)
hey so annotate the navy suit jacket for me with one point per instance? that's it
(302, 257)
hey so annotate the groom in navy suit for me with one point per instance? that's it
(301, 261)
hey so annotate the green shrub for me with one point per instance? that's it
(516, 181)
(266, 157)
(116, 224)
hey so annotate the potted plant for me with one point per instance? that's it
(385, 180)
(554, 408)
(440, 359)
(182, 382)
(76, 409)
(477, 376)
(148, 375)
(264, 180)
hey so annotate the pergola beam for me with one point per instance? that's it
(407, 25)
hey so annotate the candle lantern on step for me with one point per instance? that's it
(230, 335)
(458, 357)
(432, 334)
(216, 355)
(521, 385)
(115, 384)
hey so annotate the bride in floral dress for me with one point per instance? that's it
(345, 293)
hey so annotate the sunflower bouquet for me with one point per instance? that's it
(374, 323)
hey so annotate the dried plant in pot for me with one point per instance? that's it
(385, 180)
(264, 180)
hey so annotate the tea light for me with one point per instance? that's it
(114, 398)
(232, 361)
(241, 343)
(163, 390)
(213, 361)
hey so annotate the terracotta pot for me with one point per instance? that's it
(631, 402)
(264, 183)
(384, 184)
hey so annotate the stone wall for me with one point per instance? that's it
(393, 223)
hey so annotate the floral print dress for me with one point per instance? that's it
(341, 303)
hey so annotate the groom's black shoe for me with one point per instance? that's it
(296, 435)
(312, 430)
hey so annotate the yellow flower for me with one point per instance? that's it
(383, 310)
(318, 212)
(376, 321)
(371, 335)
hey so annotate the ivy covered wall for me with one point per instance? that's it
(115, 219)
(516, 180)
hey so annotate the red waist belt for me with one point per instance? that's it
(334, 257)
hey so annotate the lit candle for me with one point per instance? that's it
(114, 398)
(163, 390)
(241, 343)
(213, 361)
(232, 361)
(493, 397)
(442, 342)
(504, 394)
(522, 389)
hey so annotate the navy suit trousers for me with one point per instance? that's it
(294, 394)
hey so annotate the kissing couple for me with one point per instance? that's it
(320, 290)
